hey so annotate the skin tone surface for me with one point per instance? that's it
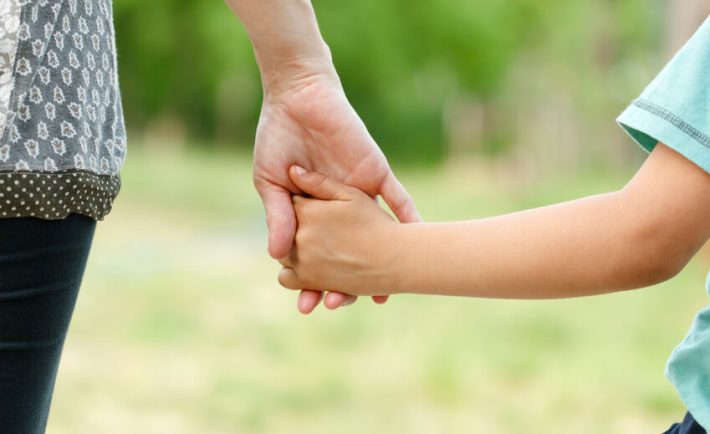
(640, 235)
(307, 120)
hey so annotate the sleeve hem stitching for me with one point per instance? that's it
(679, 123)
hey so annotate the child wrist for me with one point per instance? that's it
(390, 258)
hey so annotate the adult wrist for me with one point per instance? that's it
(291, 71)
(287, 42)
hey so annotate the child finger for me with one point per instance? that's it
(297, 198)
(290, 260)
(286, 261)
(318, 185)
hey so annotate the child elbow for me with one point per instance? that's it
(657, 268)
(654, 261)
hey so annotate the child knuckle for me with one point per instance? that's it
(286, 278)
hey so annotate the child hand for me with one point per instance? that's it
(344, 241)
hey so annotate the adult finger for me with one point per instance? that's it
(399, 201)
(280, 218)
(308, 300)
(318, 185)
(334, 300)
(380, 299)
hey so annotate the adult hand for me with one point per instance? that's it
(306, 120)
(309, 122)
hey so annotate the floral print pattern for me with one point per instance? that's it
(9, 24)
(60, 106)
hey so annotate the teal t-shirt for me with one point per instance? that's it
(675, 110)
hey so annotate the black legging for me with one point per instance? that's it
(41, 266)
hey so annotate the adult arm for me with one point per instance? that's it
(307, 120)
(638, 236)
(287, 43)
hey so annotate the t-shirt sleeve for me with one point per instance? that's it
(675, 108)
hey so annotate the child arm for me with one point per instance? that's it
(638, 236)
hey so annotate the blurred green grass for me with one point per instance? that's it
(181, 327)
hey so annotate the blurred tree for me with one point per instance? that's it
(190, 60)
(428, 77)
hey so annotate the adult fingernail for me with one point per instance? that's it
(300, 171)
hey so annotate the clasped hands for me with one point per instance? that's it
(344, 241)
(311, 124)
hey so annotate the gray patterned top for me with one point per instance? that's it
(62, 134)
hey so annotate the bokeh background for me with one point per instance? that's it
(483, 107)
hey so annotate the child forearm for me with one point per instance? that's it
(588, 246)
(638, 236)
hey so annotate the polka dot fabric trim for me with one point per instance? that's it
(55, 195)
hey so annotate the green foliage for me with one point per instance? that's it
(403, 63)
(191, 61)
